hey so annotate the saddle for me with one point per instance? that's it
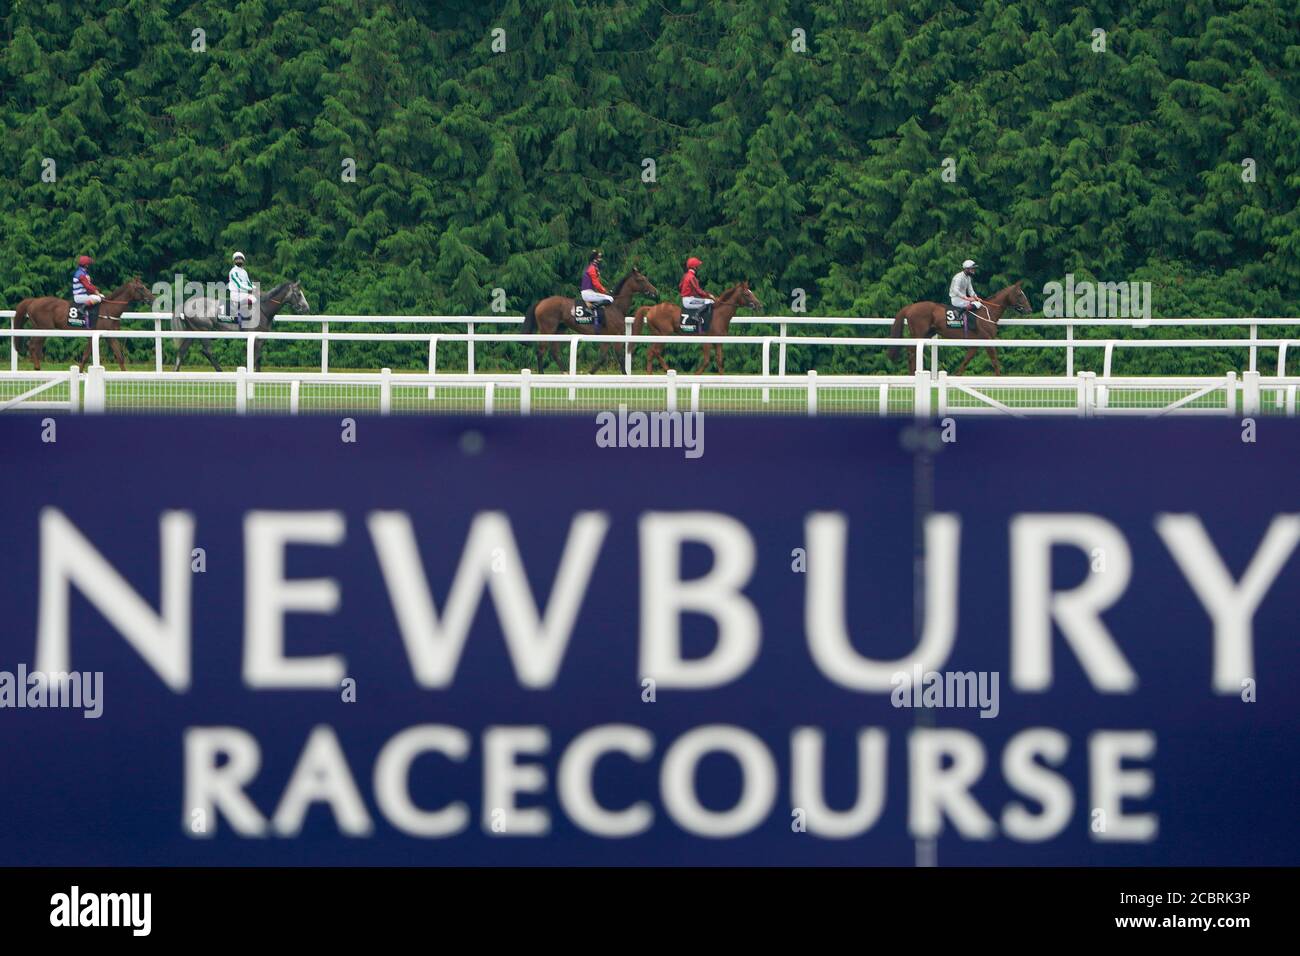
(967, 319)
(81, 316)
(696, 321)
(584, 314)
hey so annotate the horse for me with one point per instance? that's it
(665, 318)
(201, 315)
(51, 312)
(546, 316)
(930, 318)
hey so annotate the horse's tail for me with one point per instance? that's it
(530, 319)
(639, 320)
(20, 319)
(896, 332)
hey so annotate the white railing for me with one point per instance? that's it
(766, 344)
(782, 340)
(524, 392)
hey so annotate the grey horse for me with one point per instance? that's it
(203, 315)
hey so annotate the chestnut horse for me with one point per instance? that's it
(930, 318)
(666, 319)
(546, 317)
(51, 312)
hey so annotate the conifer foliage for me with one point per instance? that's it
(857, 150)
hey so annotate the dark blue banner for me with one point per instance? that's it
(521, 641)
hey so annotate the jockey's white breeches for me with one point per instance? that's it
(592, 297)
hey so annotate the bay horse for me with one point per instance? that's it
(201, 314)
(930, 318)
(665, 318)
(546, 316)
(51, 312)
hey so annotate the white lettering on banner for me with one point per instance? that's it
(529, 774)
(537, 641)
(944, 767)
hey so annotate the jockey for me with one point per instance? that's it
(961, 291)
(84, 292)
(243, 297)
(695, 300)
(593, 290)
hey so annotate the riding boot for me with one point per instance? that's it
(92, 315)
(600, 316)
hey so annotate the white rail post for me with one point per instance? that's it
(488, 393)
(695, 396)
(325, 347)
(295, 389)
(934, 361)
(921, 394)
(157, 343)
(812, 392)
(671, 395)
(94, 348)
(920, 354)
(13, 348)
(573, 364)
(1250, 393)
(884, 399)
(252, 364)
(627, 352)
(1089, 393)
(74, 389)
(941, 405)
(385, 391)
(241, 390)
(780, 362)
(1254, 349)
(1069, 348)
(433, 363)
(96, 397)
(525, 391)
(1281, 359)
(1230, 402)
(1103, 391)
(1290, 399)
(767, 366)
(469, 345)
(96, 393)
(1081, 396)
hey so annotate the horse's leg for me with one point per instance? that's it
(207, 350)
(720, 367)
(117, 353)
(970, 354)
(706, 356)
(35, 350)
(659, 354)
(182, 347)
(993, 355)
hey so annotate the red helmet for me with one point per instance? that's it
(693, 263)
(85, 261)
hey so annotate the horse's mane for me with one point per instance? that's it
(734, 290)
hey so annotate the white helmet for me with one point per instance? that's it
(237, 257)
(968, 264)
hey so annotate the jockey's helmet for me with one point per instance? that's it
(968, 265)
(237, 257)
(85, 261)
(597, 255)
(693, 263)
